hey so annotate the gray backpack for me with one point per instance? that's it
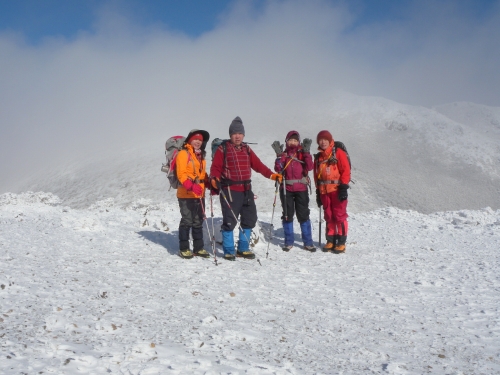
(172, 147)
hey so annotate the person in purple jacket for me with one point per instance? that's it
(294, 163)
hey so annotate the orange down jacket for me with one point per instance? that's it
(189, 167)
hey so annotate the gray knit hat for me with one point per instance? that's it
(236, 126)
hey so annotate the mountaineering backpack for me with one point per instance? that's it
(337, 144)
(218, 142)
(215, 145)
(172, 147)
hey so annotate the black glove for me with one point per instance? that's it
(277, 147)
(332, 159)
(343, 192)
(306, 144)
(318, 198)
(214, 191)
(214, 184)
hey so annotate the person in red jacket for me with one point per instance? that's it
(332, 174)
(294, 164)
(230, 174)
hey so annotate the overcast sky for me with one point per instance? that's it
(93, 74)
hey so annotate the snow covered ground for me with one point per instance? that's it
(102, 290)
(91, 283)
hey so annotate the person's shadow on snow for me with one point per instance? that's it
(170, 241)
(278, 234)
(271, 233)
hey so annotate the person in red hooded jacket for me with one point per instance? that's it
(294, 164)
(332, 174)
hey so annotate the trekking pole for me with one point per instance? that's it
(212, 218)
(320, 227)
(284, 196)
(271, 228)
(212, 240)
(235, 217)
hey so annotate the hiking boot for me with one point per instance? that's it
(247, 254)
(202, 253)
(229, 257)
(328, 247)
(287, 248)
(339, 249)
(186, 254)
(310, 248)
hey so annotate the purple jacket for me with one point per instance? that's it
(297, 164)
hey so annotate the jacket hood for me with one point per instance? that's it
(204, 134)
(291, 133)
(328, 150)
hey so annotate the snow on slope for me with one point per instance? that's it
(487, 119)
(403, 156)
(101, 290)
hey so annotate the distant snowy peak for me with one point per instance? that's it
(411, 157)
(463, 133)
(477, 115)
(481, 125)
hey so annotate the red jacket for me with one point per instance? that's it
(328, 172)
(238, 165)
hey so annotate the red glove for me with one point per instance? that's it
(197, 189)
(188, 184)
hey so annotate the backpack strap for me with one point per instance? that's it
(303, 180)
(190, 159)
(328, 182)
(224, 149)
(227, 182)
(332, 160)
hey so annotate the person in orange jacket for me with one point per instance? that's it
(332, 174)
(191, 172)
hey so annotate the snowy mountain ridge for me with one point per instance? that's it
(440, 159)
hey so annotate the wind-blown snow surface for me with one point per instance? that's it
(441, 159)
(102, 290)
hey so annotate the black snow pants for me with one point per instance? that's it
(297, 202)
(191, 219)
(243, 205)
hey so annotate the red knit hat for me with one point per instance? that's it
(196, 136)
(324, 134)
